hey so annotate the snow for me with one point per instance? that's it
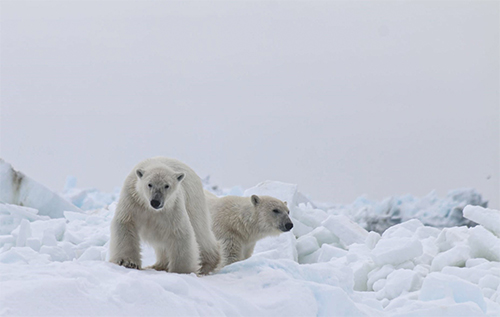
(330, 264)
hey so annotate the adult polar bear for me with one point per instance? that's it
(162, 202)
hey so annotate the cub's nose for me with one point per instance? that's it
(155, 203)
(289, 226)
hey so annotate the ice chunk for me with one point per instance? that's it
(310, 258)
(360, 270)
(422, 269)
(87, 199)
(484, 244)
(280, 247)
(426, 232)
(396, 250)
(408, 265)
(283, 191)
(438, 286)
(378, 286)
(57, 226)
(18, 189)
(377, 274)
(430, 250)
(7, 239)
(348, 231)
(489, 281)
(309, 216)
(449, 237)
(488, 218)
(372, 239)
(456, 256)
(23, 233)
(11, 216)
(472, 275)
(33, 243)
(306, 245)
(405, 229)
(323, 236)
(400, 281)
(475, 262)
(300, 229)
(49, 238)
(328, 252)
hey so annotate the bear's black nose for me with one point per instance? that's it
(155, 203)
(289, 226)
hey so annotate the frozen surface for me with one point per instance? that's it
(488, 218)
(329, 265)
(16, 188)
(431, 210)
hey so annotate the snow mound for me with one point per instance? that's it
(18, 189)
(328, 265)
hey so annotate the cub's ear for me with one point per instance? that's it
(255, 200)
(179, 176)
(139, 173)
(285, 203)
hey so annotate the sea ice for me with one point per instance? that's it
(484, 244)
(396, 250)
(18, 189)
(347, 230)
(488, 218)
(409, 270)
(438, 286)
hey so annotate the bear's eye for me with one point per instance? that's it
(166, 186)
(276, 211)
(149, 185)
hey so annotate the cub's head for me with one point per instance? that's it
(157, 185)
(273, 214)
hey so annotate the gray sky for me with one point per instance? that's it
(341, 98)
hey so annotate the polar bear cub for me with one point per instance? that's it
(162, 203)
(239, 222)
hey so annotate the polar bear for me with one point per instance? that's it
(162, 203)
(239, 222)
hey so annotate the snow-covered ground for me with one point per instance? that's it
(329, 265)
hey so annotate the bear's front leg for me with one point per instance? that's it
(232, 251)
(183, 251)
(124, 246)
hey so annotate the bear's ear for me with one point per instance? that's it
(285, 203)
(255, 200)
(179, 176)
(139, 173)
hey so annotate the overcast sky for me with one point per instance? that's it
(341, 98)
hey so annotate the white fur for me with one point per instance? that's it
(239, 222)
(179, 230)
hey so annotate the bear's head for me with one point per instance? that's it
(273, 214)
(156, 185)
